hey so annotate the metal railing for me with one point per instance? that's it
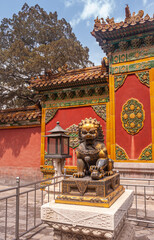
(142, 209)
(20, 205)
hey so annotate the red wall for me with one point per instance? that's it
(70, 116)
(133, 145)
(20, 148)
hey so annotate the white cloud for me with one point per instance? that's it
(150, 6)
(144, 2)
(93, 8)
(74, 21)
(88, 23)
(68, 3)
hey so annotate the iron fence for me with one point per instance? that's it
(20, 206)
(142, 209)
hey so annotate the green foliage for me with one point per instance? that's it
(32, 42)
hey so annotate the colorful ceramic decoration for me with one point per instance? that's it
(120, 153)
(119, 80)
(100, 110)
(49, 114)
(132, 67)
(132, 55)
(144, 78)
(90, 101)
(132, 116)
(72, 131)
(146, 153)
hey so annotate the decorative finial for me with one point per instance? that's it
(127, 12)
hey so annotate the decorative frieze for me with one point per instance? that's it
(132, 67)
(136, 43)
(99, 90)
(123, 45)
(133, 55)
(132, 116)
(149, 40)
(81, 102)
(61, 95)
(71, 93)
(79, 93)
(128, 44)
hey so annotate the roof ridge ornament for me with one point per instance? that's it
(127, 12)
(105, 65)
(48, 73)
(134, 17)
(109, 32)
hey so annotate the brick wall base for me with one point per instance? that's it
(8, 175)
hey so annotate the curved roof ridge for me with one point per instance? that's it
(110, 25)
(73, 77)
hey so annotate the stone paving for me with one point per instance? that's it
(143, 231)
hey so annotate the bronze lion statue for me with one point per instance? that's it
(92, 157)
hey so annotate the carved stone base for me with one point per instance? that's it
(78, 222)
(127, 233)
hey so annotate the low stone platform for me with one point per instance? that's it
(135, 169)
(89, 223)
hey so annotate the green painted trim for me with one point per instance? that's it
(132, 67)
(76, 103)
(132, 55)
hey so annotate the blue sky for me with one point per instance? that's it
(81, 14)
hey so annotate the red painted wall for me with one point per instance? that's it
(133, 88)
(20, 148)
(70, 116)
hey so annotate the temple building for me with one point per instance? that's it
(119, 94)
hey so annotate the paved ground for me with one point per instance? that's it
(30, 216)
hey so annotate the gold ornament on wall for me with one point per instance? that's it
(132, 116)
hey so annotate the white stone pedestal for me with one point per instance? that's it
(77, 222)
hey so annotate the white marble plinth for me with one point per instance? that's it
(95, 222)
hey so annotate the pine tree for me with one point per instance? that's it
(32, 42)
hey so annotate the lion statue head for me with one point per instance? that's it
(90, 129)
